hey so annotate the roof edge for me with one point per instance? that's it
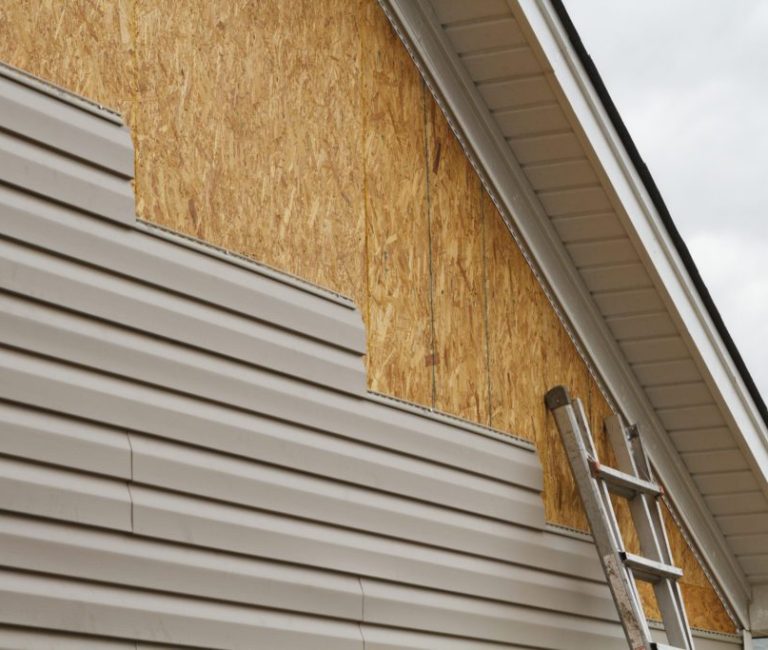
(659, 203)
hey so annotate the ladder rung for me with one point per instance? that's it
(664, 646)
(649, 570)
(625, 485)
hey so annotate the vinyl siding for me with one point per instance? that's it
(190, 458)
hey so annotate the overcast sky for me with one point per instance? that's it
(690, 79)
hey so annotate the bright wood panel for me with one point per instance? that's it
(458, 292)
(398, 315)
(81, 45)
(253, 143)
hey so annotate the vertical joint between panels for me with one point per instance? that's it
(486, 307)
(428, 199)
(366, 309)
(132, 119)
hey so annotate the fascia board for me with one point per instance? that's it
(500, 172)
(649, 232)
(645, 225)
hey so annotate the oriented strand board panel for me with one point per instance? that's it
(250, 141)
(515, 306)
(529, 352)
(398, 315)
(82, 45)
(458, 291)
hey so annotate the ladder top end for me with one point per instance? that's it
(557, 397)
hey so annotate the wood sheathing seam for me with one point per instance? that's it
(301, 134)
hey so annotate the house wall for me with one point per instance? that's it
(331, 161)
(190, 457)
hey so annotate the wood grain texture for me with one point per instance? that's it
(251, 142)
(398, 315)
(455, 214)
(300, 133)
(515, 302)
(81, 45)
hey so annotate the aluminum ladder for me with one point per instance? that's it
(634, 482)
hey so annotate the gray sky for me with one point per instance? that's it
(690, 79)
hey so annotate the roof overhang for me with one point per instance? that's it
(439, 35)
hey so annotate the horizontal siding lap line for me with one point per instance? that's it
(49, 121)
(101, 556)
(416, 479)
(70, 496)
(175, 566)
(346, 417)
(145, 568)
(459, 615)
(46, 602)
(153, 331)
(193, 520)
(90, 291)
(212, 476)
(174, 264)
(65, 179)
(60, 440)
(239, 261)
(376, 637)
(15, 636)
(452, 420)
(66, 96)
(434, 483)
(401, 483)
(66, 147)
(69, 157)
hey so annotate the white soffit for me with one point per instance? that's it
(532, 124)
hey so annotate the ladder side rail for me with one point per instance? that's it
(651, 533)
(674, 607)
(605, 495)
(577, 445)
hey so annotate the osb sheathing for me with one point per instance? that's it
(299, 132)
(398, 313)
(458, 294)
